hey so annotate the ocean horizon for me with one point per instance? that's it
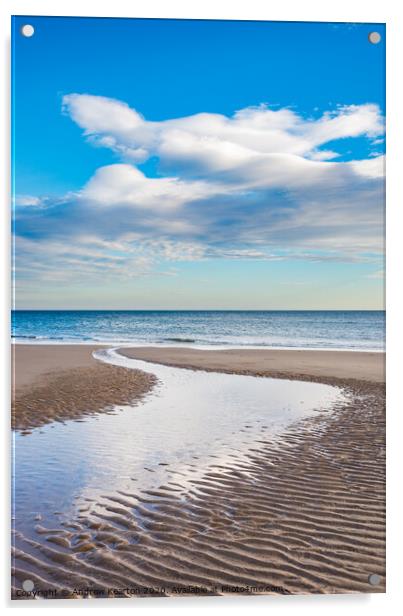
(305, 329)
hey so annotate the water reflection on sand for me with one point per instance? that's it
(190, 420)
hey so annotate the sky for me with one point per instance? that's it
(176, 164)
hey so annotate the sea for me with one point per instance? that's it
(358, 330)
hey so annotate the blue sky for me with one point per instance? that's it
(198, 164)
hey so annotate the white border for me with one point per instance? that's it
(388, 11)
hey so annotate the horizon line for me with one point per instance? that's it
(198, 310)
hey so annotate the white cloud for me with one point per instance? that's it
(254, 130)
(124, 184)
(323, 155)
(210, 155)
(107, 121)
(370, 168)
(347, 121)
(257, 185)
(27, 200)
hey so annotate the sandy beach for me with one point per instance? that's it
(301, 364)
(60, 382)
(305, 514)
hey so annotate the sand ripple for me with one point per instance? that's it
(303, 515)
(75, 393)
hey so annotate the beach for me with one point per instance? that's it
(61, 382)
(279, 363)
(303, 512)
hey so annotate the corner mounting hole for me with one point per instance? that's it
(374, 38)
(374, 579)
(27, 30)
(28, 585)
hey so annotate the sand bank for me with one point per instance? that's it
(319, 365)
(60, 382)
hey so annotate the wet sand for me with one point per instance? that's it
(320, 365)
(305, 514)
(61, 382)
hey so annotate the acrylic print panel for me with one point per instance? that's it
(198, 328)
